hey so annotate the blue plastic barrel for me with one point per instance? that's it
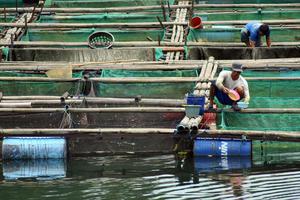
(210, 164)
(34, 148)
(222, 147)
(41, 169)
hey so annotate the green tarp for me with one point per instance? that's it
(102, 4)
(220, 33)
(36, 88)
(83, 34)
(159, 90)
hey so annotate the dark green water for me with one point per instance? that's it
(156, 177)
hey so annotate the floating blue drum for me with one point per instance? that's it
(40, 169)
(222, 147)
(210, 164)
(34, 148)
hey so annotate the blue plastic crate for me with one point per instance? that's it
(196, 100)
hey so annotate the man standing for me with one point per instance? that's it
(230, 80)
(252, 33)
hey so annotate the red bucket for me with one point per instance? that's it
(196, 23)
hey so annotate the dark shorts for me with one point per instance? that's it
(245, 34)
(222, 97)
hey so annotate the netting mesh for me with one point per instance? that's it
(102, 18)
(103, 3)
(161, 90)
(36, 88)
(82, 35)
(252, 14)
(230, 34)
(270, 152)
(10, 3)
(244, 121)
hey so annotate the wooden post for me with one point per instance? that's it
(191, 13)
(17, 13)
(158, 39)
(160, 22)
(163, 10)
(169, 9)
(11, 46)
(4, 10)
(25, 30)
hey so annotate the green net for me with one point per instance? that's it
(220, 33)
(102, 18)
(249, 1)
(159, 90)
(247, 121)
(270, 152)
(5, 53)
(36, 88)
(82, 35)
(103, 3)
(10, 3)
(6, 19)
(252, 15)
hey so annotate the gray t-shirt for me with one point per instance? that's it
(224, 80)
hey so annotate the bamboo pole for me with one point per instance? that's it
(39, 79)
(209, 68)
(263, 135)
(143, 8)
(123, 67)
(95, 110)
(167, 46)
(185, 64)
(141, 63)
(244, 61)
(15, 105)
(119, 101)
(183, 125)
(251, 133)
(141, 79)
(214, 71)
(140, 24)
(194, 123)
(267, 110)
(6, 132)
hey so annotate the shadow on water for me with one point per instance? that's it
(158, 177)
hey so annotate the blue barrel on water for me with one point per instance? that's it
(40, 169)
(34, 148)
(222, 147)
(210, 164)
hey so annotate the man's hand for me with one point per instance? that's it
(225, 90)
(252, 44)
(268, 42)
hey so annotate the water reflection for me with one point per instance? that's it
(209, 164)
(39, 169)
(157, 177)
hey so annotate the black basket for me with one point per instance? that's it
(101, 40)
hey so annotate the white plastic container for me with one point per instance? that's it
(192, 110)
(242, 105)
